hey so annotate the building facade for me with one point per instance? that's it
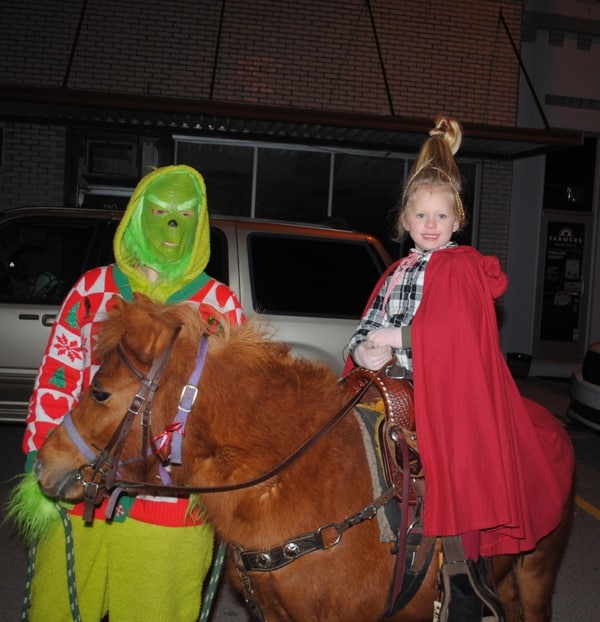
(554, 263)
(303, 110)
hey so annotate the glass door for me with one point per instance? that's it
(563, 285)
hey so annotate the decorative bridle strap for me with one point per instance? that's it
(77, 439)
(187, 399)
(162, 490)
(168, 445)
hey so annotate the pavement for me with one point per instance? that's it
(576, 598)
(551, 392)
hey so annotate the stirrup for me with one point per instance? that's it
(456, 564)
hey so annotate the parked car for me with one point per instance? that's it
(309, 282)
(584, 389)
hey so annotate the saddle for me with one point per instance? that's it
(402, 469)
(398, 440)
(397, 434)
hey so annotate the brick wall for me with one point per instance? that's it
(33, 168)
(495, 201)
(449, 56)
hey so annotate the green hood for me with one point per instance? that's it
(129, 238)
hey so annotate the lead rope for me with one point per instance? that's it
(213, 582)
(71, 582)
(30, 572)
(73, 600)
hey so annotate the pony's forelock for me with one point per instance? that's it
(182, 315)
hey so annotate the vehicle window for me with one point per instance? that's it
(311, 277)
(218, 265)
(41, 259)
(103, 252)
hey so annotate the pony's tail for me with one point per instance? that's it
(30, 510)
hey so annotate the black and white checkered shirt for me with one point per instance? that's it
(401, 305)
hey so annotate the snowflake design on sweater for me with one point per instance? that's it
(70, 349)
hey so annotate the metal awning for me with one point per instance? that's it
(115, 111)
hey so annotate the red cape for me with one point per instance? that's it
(494, 462)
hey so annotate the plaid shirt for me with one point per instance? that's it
(401, 303)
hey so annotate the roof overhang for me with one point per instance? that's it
(115, 111)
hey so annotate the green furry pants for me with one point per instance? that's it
(136, 571)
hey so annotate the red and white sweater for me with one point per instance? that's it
(69, 364)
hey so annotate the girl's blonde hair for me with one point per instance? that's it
(435, 167)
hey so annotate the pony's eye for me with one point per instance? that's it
(100, 396)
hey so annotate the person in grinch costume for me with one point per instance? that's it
(150, 560)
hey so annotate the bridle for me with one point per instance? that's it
(99, 475)
(102, 471)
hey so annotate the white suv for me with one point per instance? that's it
(310, 282)
(584, 389)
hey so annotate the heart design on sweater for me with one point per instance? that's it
(54, 407)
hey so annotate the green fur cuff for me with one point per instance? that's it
(31, 511)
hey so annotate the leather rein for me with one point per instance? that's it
(103, 471)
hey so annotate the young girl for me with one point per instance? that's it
(497, 467)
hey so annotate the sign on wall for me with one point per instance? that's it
(563, 281)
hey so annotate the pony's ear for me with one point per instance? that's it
(118, 303)
(138, 297)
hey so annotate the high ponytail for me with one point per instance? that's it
(435, 167)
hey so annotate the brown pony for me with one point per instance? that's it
(256, 405)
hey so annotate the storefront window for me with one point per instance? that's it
(227, 171)
(292, 185)
(569, 179)
(365, 193)
(354, 190)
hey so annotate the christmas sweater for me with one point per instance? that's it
(69, 363)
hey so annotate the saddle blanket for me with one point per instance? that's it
(369, 419)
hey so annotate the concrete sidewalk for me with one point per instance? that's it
(553, 393)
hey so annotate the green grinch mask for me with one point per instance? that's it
(168, 220)
(165, 227)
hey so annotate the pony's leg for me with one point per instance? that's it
(537, 575)
(525, 586)
(506, 586)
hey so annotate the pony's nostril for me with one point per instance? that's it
(37, 468)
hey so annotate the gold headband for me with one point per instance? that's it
(459, 204)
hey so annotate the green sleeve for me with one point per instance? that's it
(406, 339)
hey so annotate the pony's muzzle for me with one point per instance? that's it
(57, 485)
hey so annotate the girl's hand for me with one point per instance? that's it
(385, 337)
(372, 357)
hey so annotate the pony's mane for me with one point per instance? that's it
(250, 344)
(149, 313)
(251, 354)
(253, 335)
(247, 350)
